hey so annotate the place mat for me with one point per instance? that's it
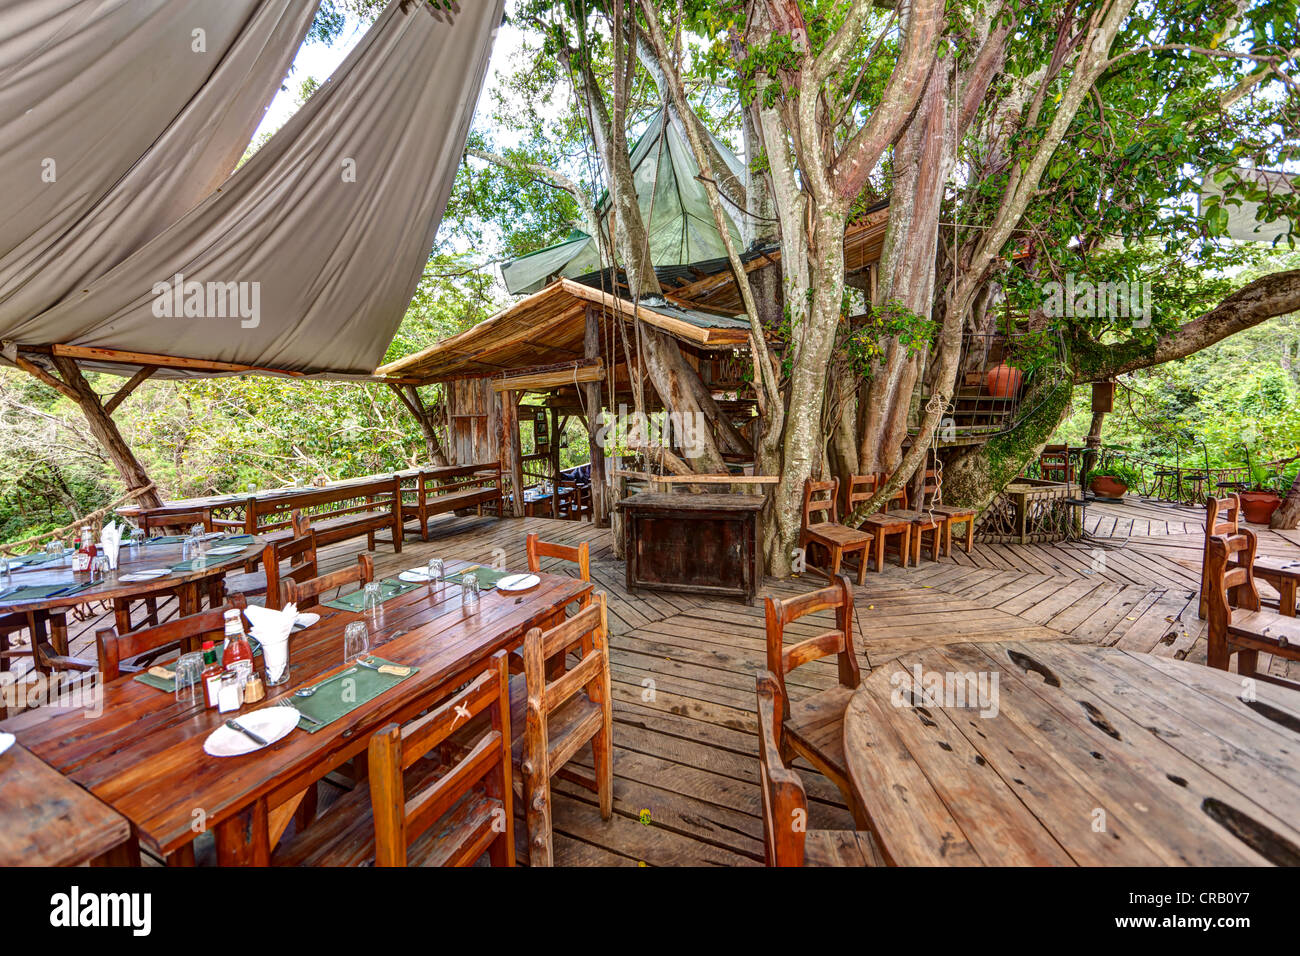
(165, 539)
(487, 577)
(38, 592)
(33, 560)
(211, 561)
(327, 704)
(355, 601)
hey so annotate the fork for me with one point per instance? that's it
(288, 702)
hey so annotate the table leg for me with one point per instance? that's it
(122, 615)
(244, 839)
(1287, 590)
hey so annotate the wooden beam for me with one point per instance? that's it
(131, 384)
(31, 368)
(540, 381)
(592, 397)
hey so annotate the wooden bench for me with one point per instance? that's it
(437, 491)
(337, 513)
(1237, 624)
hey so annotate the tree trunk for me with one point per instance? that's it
(599, 495)
(105, 431)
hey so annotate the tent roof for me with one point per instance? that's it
(674, 205)
(548, 326)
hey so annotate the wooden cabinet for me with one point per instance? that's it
(701, 544)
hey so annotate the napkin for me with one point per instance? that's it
(110, 540)
(271, 628)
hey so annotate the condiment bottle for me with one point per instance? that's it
(237, 653)
(211, 674)
(85, 554)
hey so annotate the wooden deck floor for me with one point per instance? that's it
(683, 668)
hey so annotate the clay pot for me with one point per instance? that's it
(1003, 381)
(1258, 506)
(1104, 486)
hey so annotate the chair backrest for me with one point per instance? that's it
(784, 800)
(180, 519)
(782, 659)
(589, 628)
(1222, 516)
(306, 593)
(820, 501)
(299, 551)
(862, 487)
(400, 820)
(930, 490)
(538, 549)
(186, 632)
(1230, 577)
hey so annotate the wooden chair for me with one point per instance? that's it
(187, 633)
(883, 525)
(553, 719)
(538, 549)
(305, 594)
(820, 525)
(1054, 463)
(1222, 516)
(786, 839)
(179, 519)
(299, 551)
(1237, 625)
(813, 726)
(416, 809)
(931, 493)
(925, 521)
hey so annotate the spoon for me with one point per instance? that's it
(308, 691)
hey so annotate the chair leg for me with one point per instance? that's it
(880, 550)
(904, 545)
(836, 556)
(970, 533)
(947, 539)
(1247, 663)
(862, 566)
(537, 812)
(1216, 651)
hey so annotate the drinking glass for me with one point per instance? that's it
(99, 569)
(6, 567)
(356, 641)
(469, 591)
(436, 570)
(54, 547)
(189, 679)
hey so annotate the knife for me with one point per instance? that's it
(236, 725)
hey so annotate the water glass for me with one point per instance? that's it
(356, 642)
(7, 568)
(436, 570)
(99, 569)
(469, 591)
(55, 547)
(370, 603)
(189, 679)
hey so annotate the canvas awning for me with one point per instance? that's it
(117, 118)
(548, 327)
(305, 259)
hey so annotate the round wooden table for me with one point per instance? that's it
(1044, 753)
(188, 585)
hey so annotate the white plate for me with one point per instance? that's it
(306, 619)
(6, 741)
(518, 582)
(414, 576)
(269, 723)
(227, 549)
(148, 574)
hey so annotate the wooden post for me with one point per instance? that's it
(553, 458)
(511, 450)
(599, 496)
(105, 430)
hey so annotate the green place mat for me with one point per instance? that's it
(391, 588)
(487, 577)
(38, 592)
(327, 704)
(165, 539)
(213, 561)
(34, 560)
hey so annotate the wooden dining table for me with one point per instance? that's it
(144, 755)
(1077, 755)
(190, 586)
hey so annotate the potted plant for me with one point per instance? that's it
(1113, 479)
(1259, 501)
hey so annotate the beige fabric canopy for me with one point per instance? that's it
(117, 118)
(306, 258)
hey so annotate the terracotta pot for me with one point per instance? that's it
(1003, 381)
(1258, 506)
(1104, 486)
